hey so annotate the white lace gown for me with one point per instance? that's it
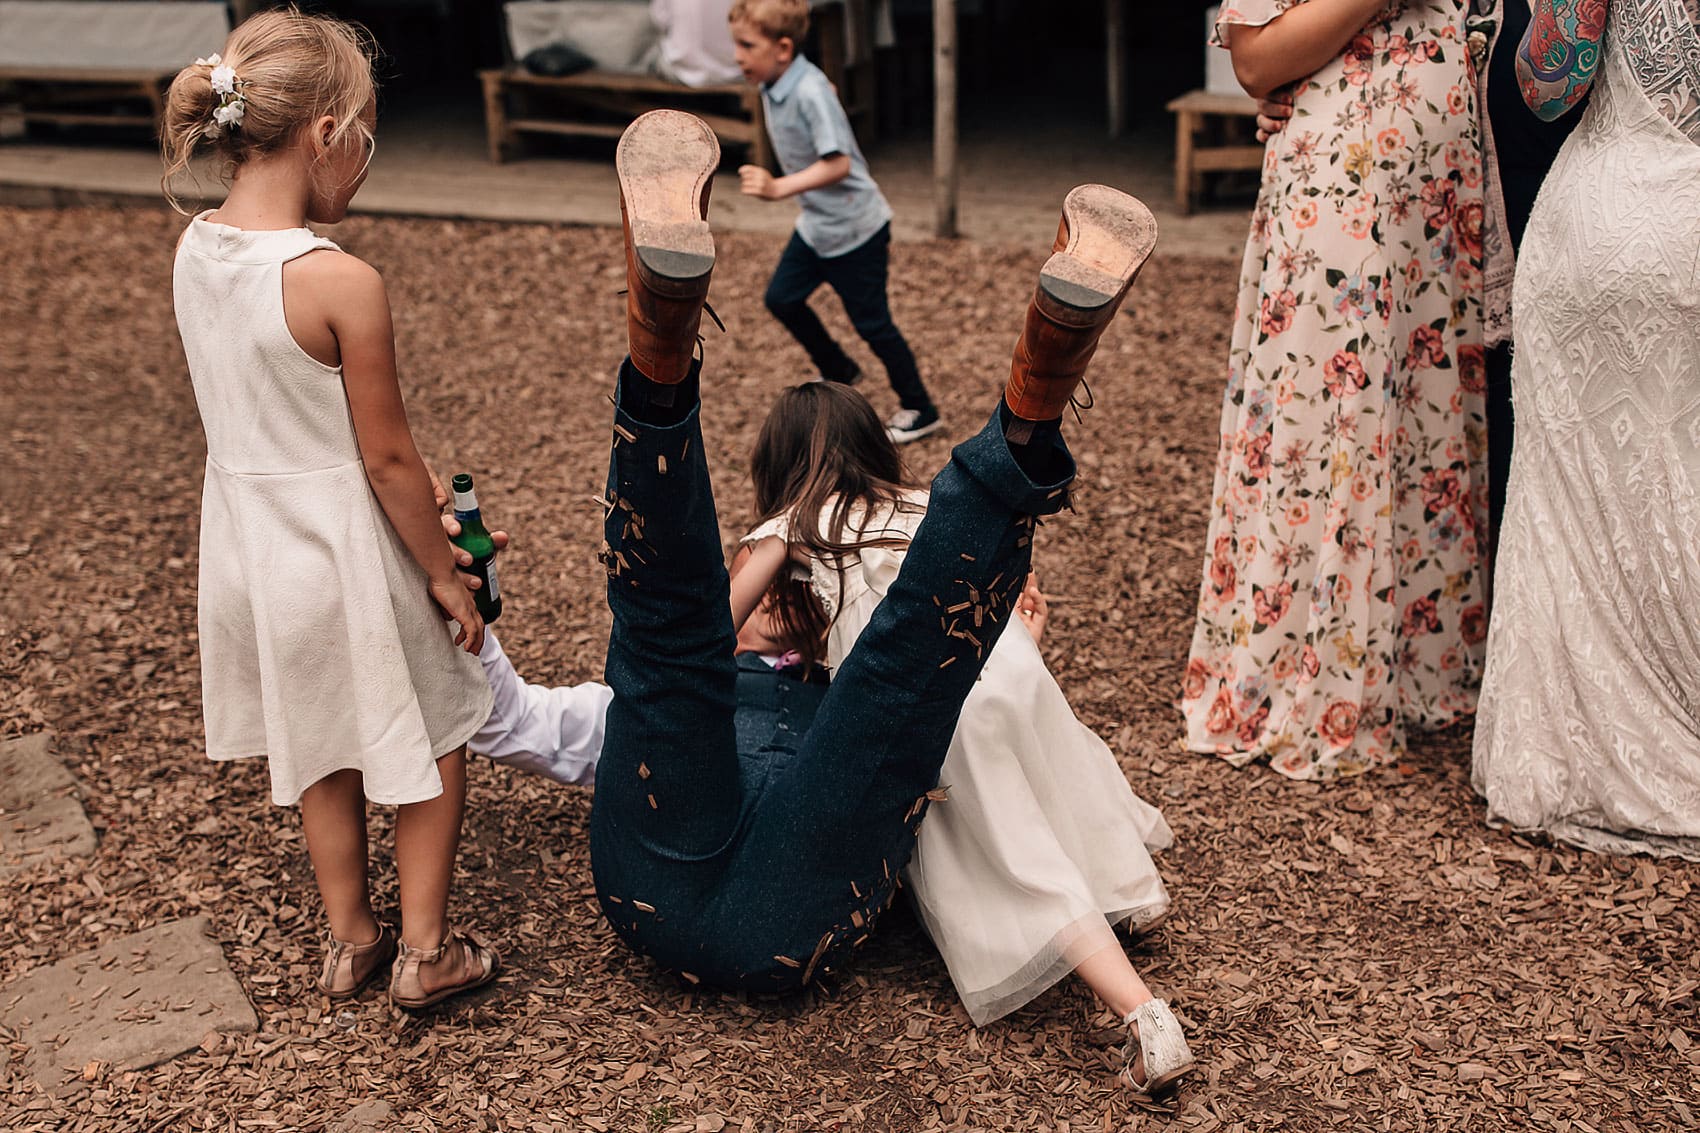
(1041, 846)
(1589, 725)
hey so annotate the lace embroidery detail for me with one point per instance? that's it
(1590, 711)
(1658, 42)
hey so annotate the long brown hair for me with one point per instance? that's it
(291, 69)
(823, 455)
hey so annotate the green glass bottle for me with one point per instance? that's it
(474, 539)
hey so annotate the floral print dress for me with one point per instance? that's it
(1341, 599)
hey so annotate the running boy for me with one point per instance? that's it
(844, 232)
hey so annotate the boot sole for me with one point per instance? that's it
(666, 162)
(1110, 236)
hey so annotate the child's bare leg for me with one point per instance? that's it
(333, 818)
(1110, 975)
(427, 835)
(434, 963)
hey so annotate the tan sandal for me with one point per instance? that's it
(478, 966)
(350, 967)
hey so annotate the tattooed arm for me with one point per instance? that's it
(1560, 54)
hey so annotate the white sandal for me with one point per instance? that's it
(1155, 1034)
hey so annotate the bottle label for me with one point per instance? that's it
(466, 501)
(492, 588)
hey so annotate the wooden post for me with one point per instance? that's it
(1115, 64)
(944, 118)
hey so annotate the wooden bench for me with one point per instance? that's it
(84, 96)
(1205, 125)
(601, 104)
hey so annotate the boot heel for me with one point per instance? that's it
(1107, 237)
(674, 259)
(666, 161)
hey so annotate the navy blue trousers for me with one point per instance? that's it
(754, 845)
(859, 278)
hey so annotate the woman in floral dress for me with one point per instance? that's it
(1341, 599)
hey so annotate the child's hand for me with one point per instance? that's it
(1035, 612)
(754, 181)
(456, 602)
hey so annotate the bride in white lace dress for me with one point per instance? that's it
(1589, 724)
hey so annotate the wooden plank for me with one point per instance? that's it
(1216, 158)
(1115, 64)
(568, 129)
(125, 76)
(496, 134)
(615, 80)
(1205, 102)
(602, 93)
(67, 118)
(944, 118)
(1186, 125)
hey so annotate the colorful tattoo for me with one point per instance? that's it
(1560, 53)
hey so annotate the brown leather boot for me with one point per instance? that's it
(666, 162)
(1104, 239)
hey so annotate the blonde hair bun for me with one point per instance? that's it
(292, 68)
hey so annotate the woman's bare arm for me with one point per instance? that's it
(1297, 43)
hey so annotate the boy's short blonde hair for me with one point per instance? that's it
(776, 19)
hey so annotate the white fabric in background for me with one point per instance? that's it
(116, 34)
(696, 42)
(1219, 77)
(618, 34)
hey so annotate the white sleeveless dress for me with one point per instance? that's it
(1041, 846)
(1589, 725)
(320, 648)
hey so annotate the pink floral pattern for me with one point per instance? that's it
(1340, 599)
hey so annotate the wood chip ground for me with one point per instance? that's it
(1364, 956)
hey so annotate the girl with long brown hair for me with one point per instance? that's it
(1035, 846)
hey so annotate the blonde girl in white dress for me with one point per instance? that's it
(325, 578)
(1035, 846)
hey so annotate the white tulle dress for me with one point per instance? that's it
(1041, 846)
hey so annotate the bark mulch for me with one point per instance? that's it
(1363, 956)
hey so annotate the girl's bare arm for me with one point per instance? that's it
(759, 633)
(349, 295)
(751, 580)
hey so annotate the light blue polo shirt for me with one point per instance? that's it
(806, 123)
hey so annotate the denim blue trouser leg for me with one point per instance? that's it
(759, 865)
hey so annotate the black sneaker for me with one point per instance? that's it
(912, 424)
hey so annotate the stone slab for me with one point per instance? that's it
(365, 1117)
(40, 817)
(129, 1004)
(29, 771)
